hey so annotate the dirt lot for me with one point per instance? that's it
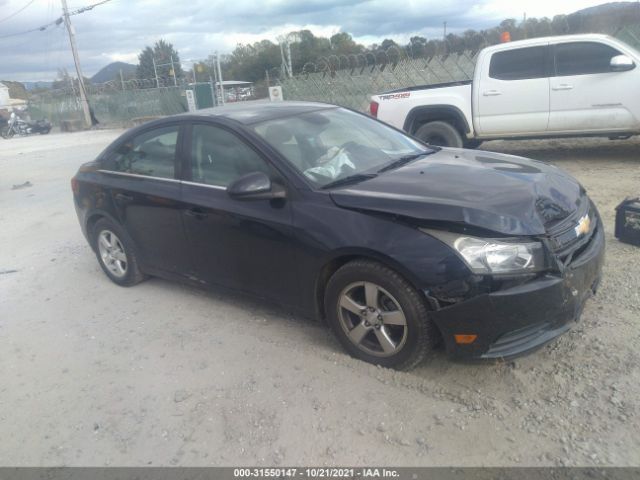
(163, 374)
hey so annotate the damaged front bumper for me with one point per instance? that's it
(520, 319)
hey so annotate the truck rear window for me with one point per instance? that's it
(520, 63)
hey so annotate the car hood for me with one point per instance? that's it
(502, 193)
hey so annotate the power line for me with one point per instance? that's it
(57, 21)
(17, 12)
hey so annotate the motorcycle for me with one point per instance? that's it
(17, 126)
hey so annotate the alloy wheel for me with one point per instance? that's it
(112, 253)
(372, 319)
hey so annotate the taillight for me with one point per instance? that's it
(373, 109)
(75, 186)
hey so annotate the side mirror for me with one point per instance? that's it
(255, 186)
(621, 63)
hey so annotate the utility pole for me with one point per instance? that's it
(76, 60)
(445, 31)
(121, 79)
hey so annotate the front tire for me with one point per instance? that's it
(440, 133)
(116, 253)
(378, 316)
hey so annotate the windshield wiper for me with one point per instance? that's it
(355, 178)
(404, 160)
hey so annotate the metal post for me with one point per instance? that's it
(155, 72)
(289, 58)
(220, 78)
(268, 81)
(121, 79)
(283, 65)
(213, 92)
(76, 60)
(173, 71)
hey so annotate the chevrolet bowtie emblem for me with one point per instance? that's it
(583, 226)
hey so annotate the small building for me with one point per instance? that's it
(236, 90)
(8, 104)
(4, 96)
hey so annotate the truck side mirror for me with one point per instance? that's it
(621, 63)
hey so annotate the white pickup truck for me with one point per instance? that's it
(568, 86)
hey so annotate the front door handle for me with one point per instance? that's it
(197, 213)
(123, 198)
(491, 93)
(562, 86)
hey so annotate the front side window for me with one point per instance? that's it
(333, 143)
(218, 157)
(520, 64)
(583, 58)
(152, 153)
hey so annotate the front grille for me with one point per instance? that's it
(566, 244)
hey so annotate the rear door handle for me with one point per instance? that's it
(123, 198)
(562, 86)
(196, 212)
(491, 93)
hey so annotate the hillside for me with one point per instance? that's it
(112, 71)
(16, 89)
(606, 18)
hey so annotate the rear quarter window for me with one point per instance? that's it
(520, 64)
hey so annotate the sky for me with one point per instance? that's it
(120, 29)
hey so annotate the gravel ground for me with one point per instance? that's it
(164, 374)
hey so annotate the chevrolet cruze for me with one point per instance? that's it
(398, 245)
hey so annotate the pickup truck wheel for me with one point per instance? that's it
(439, 133)
(473, 143)
(378, 316)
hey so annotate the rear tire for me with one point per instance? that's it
(378, 316)
(440, 133)
(116, 253)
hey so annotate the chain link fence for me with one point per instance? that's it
(112, 103)
(351, 80)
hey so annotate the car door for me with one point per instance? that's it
(513, 92)
(240, 244)
(141, 176)
(586, 96)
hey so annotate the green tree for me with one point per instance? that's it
(162, 52)
(560, 25)
(343, 44)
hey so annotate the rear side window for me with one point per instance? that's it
(520, 64)
(583, 58)
(218, 157)
(152, 153)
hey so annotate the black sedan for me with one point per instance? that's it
(329, 212)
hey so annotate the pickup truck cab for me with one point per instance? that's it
(565, 86)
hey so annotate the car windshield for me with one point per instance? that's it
(332, 144)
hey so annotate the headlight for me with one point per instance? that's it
(487, 255)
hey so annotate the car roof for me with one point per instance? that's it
(582, 37)
(256, 111)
